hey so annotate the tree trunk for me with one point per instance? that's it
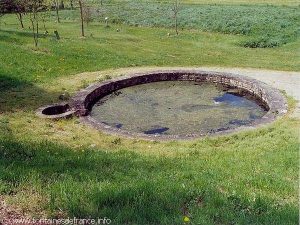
(62, 4)
(57, 9)
(176, 24)
(81, 16)
(35, 26)
(44, 24)
(176, 9)
(33, 31)
(37, 32)
(20, 18)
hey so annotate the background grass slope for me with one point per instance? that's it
(105, 48)
(267, 25)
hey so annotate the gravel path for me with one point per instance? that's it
(287, 81)
(282, 80)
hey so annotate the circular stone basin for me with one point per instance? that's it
(178, 104)
(177, 108)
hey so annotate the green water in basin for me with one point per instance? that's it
(176, 108)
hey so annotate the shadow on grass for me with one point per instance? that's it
(9, 39)
(17, 37)
(126, 187)
(21, 34)
(16, 94)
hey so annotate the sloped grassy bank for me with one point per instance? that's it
(245, 178)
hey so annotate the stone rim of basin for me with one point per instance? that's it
(271, 98)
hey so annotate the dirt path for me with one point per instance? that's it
(8, 214)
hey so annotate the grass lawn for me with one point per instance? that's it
(64, 168)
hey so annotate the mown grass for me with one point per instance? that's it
(217, 180)
(64, 168)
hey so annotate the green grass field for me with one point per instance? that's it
(256, 2)
(219, 2)
(265, 26)
(64, 168)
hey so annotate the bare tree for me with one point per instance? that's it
(61, 4)
(20, 18)
(33, 7)
(14, 6)
(35, 25)
(72, 4)
(20, 10)
(43, 17)
(81, 16)
(176, 10)
(56, 5)
(87, 14)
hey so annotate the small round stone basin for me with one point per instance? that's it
(57, 111)
(177, 108)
